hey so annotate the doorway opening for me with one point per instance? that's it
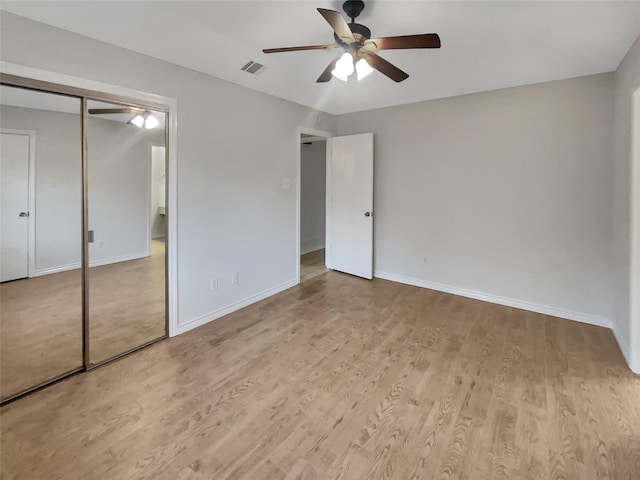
(313, 206)
(312, 203)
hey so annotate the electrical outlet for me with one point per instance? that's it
(214, 283)
(234, 277)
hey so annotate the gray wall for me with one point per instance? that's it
(58, 184)
(119, 169)
(504, 195)
(313, 181)
(233, 215)
(626, 81)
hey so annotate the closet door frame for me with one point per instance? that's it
(50, 82)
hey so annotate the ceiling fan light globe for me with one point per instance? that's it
(363, 68)
(339, 75)
(344, 67)
(151, 122)
(138, 121)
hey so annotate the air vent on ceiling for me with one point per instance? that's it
(254, 68)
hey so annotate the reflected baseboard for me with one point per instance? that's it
(95, 263)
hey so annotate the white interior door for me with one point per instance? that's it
(14, 209)
(350, 205)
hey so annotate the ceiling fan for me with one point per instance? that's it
(141, 118)
(360, 49)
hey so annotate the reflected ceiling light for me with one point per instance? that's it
(363, 68)
(344, 67)
(144, 119)
(138, 120)
(151, 122)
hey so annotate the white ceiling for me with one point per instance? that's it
(485, 45)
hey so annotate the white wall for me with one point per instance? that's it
(626, 81)
(313, 194)
(233, 215)
(504, 195)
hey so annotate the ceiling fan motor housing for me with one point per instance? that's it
(353, 8)
(360, 33)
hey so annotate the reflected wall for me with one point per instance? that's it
(126, 224)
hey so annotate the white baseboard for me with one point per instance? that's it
(209, 317)
(62, 268)
(532, 307)
(123, 258)
(308, 246)
(97, 263)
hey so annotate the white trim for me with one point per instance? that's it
(149, 195)
(62, 268)
(171, 202)
(532, 307)
(633, 356)
(31, 185)
(123, 258)
(327, 136)
(327, 207)
(96, 263)
(209, 317)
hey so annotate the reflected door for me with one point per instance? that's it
(126, 296)
(14, 188)
(41, 239)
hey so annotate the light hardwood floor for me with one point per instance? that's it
(312, 264)
(41, 318)
(343, 378)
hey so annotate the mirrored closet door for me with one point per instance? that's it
(83, 185)
(126, 184)
(41, 318)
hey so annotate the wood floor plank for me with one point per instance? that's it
(343, 378)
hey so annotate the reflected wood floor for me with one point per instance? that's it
(312, 264)
(41, 323)
(342, 378)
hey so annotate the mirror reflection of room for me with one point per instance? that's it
(126, 221)
(41, 238)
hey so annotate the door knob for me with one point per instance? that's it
(23, 214)
(368, 214)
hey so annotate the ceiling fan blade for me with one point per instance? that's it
(297, 49)
(427, 40)
(326, 75)
(380, 64)
(338, 24)
(105, 111)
